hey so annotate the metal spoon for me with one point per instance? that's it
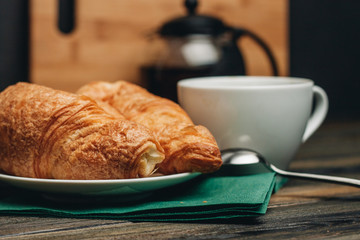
(238, 156)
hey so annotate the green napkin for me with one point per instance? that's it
(211, 197)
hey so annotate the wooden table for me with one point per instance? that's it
(301, 209)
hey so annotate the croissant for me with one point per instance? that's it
(188, 148)
(47, 133)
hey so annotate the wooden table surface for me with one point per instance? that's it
(300, 210)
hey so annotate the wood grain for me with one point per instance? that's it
(110, 43)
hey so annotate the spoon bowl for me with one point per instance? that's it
(239, 156)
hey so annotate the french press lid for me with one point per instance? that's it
(192, 24)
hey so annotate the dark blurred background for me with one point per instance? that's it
(324, 46)
(323, 38)
(14, 42)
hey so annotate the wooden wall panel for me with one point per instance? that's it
(109, 42)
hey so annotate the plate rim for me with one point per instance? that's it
(4, 176)
(98, 188)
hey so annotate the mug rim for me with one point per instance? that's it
(244, 82)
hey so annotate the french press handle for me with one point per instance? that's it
(240, 32)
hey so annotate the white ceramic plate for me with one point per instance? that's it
(87, 188)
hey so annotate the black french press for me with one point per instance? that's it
(194, 46)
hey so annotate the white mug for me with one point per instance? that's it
(271, 115)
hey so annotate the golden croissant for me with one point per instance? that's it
(188, 148)
(47, 133)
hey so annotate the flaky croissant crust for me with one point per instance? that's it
(188, 148)
(45, 133)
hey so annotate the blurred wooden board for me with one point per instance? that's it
(109, 41)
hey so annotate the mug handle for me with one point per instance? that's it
(319, 113)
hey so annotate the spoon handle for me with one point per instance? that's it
(324, 178)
